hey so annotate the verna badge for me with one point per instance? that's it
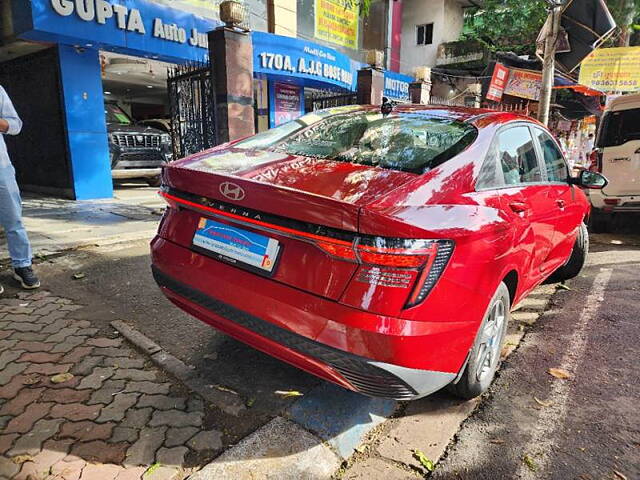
(232, 191)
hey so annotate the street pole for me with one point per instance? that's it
(548, 65)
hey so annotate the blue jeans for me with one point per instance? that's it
(11, 218)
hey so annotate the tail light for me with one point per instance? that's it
(595, 161)
(409, 264)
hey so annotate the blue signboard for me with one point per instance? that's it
(293, 58)
(396, 86)
(138, 27)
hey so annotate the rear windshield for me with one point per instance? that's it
(413, 142)
(619, 128)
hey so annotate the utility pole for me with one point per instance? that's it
(548, 65)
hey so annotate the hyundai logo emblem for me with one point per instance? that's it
(232, 191)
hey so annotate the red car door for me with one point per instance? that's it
(568, 213)
(526, 196)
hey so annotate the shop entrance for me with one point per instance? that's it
(137, 117)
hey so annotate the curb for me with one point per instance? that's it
(312, 437)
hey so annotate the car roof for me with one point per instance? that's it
(624, 102)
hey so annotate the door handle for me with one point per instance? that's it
(518, 207)
(560, 203)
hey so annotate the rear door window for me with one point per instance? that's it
(554, 162)
(517, 156)
(619, 128)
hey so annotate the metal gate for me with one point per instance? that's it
(191, 107)
(324, 100)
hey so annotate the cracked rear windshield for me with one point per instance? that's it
(410, 141)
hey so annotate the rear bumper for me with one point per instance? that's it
(187, 278)
(626, 203)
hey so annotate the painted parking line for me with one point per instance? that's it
(541, 442)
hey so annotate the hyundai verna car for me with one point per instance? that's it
(379, 251)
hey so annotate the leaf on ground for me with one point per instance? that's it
(20, 459)
(528, 461)
(542, 403)
(249, 403)
(150, 470)
(559, 373)
(61, 377)
(288, 393)
(31, 379)
(562, 286)
(222, 388)
(78, 276)
(620, 475)
(496, 441)
(422, 458)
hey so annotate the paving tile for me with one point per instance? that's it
(149, 388)
(29, 336)
(4, 421)
(378, 468)
(10, 371)
(102, 472)
(76, 411)
(121, 362)
(106, 393)
(143, 452)
(99, 451)
(124, 434)
(5, 333)
(9, 356)
(171, 456)
(97, 377)
(105, 342)
(176, 418)
(137, 417)
(40, 357)
(7, 344)
(116, 410)
(62, 334)
(113, 352)
(161, 402)
(134, 374)
(131, 473)
(48, 368)
(163, 473)
(66, 395)
(68, 470)
(52, 452)
(33, 346)
(8, 468)
(206, 440)
(24, 326)
(6, 441)
(19, 403)
(195, 404)
(86, 431)
(76, 355)
(30, 443)
(86, 365)
(69, 344)
(23, 423)
(12, 388)
(54, 326)
(89, 332)
(177, 436)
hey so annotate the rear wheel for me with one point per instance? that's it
(484, 357)
(577, 259)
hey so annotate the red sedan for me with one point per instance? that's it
(382, 251)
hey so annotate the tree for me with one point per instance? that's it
(624, 12)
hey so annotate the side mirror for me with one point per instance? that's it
(591, 180)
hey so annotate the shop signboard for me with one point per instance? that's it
(137, 27)
(524, 84)
(287, 103)
(336, 21)
(396, 86)
(612, 70)
(498, 82)
(291, 58)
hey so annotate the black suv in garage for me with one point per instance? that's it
(136, 151)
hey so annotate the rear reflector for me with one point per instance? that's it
(612, 201)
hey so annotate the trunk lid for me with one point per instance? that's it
(296, 201)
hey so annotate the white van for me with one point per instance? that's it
(617, 157)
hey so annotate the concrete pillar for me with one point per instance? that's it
(86, 127)
(420, 92)
(370, 86)
(231, 54)
(476, 90)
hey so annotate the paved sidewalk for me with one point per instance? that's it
(55, 225)
(114, 417)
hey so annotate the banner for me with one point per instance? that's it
(524, 84)
(336, 21)
(287, 103)
(612, 70)
(498, 82)
(396, 86)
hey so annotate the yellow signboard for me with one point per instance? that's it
(612, 70)
(336, 21)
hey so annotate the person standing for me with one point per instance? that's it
(10, 201)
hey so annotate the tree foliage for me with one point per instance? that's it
(514, 24)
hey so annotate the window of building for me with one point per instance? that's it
(424, 34)
(518, 157)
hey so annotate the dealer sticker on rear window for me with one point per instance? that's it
(236, 244)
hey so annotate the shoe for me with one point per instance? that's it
(26, 277)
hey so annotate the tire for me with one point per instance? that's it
(600, 222)
(154, 181)
(577, 259)
(484, 357)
